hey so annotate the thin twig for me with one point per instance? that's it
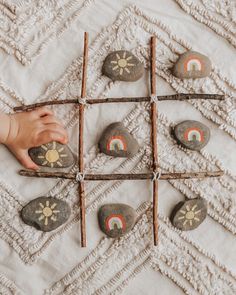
(179, 96)
(140, 176)
(154, 115)
(81, 142)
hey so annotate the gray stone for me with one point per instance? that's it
(189, 215)
(116, 220)
(53, 155)
(192, 134)
(116, 141)
(45, 214)
(193, 65)
(122, 65)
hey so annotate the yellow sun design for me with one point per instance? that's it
(189, 216)
(122, 63)
(52, 155)
(47, 212)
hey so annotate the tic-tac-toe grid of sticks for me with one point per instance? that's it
(155, 175)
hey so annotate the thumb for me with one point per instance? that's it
(25, 160)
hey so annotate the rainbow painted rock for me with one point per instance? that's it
(53, 155)
(192, 135)
(116, 220)
(116, 141)
(122, 65)
(46, 214)
(189, 215)
(193, 65)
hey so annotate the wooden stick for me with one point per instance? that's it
(140, 176)
(154, 115)
(81, 141)
(179, 96)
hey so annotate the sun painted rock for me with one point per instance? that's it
(192, 134)
(189, 215)
(117, 141)
(53, 155)
(193, 65)
(116, 220)
(122, 65)
(45, 214)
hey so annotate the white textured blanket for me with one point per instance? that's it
(41, 59)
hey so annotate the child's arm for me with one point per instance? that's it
(22, 131)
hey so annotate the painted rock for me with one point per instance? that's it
(192, 64)
(192, 134)
(117, 141)
(122, 65)
(189, 215)
(116, 220)
(53, 155)
(45, 214)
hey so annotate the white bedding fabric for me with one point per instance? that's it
(40, 59)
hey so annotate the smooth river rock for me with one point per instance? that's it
(122, 65)
(189, 215)
(116, 141)
(193, 65)
(46, 214)
(53, 155)
(116, 220)
(192, 135)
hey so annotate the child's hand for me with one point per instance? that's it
(30, 129)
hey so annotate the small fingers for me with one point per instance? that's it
(43, 111)
(47, 136)
(25, 160)
(58, 128)
(49, 119)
